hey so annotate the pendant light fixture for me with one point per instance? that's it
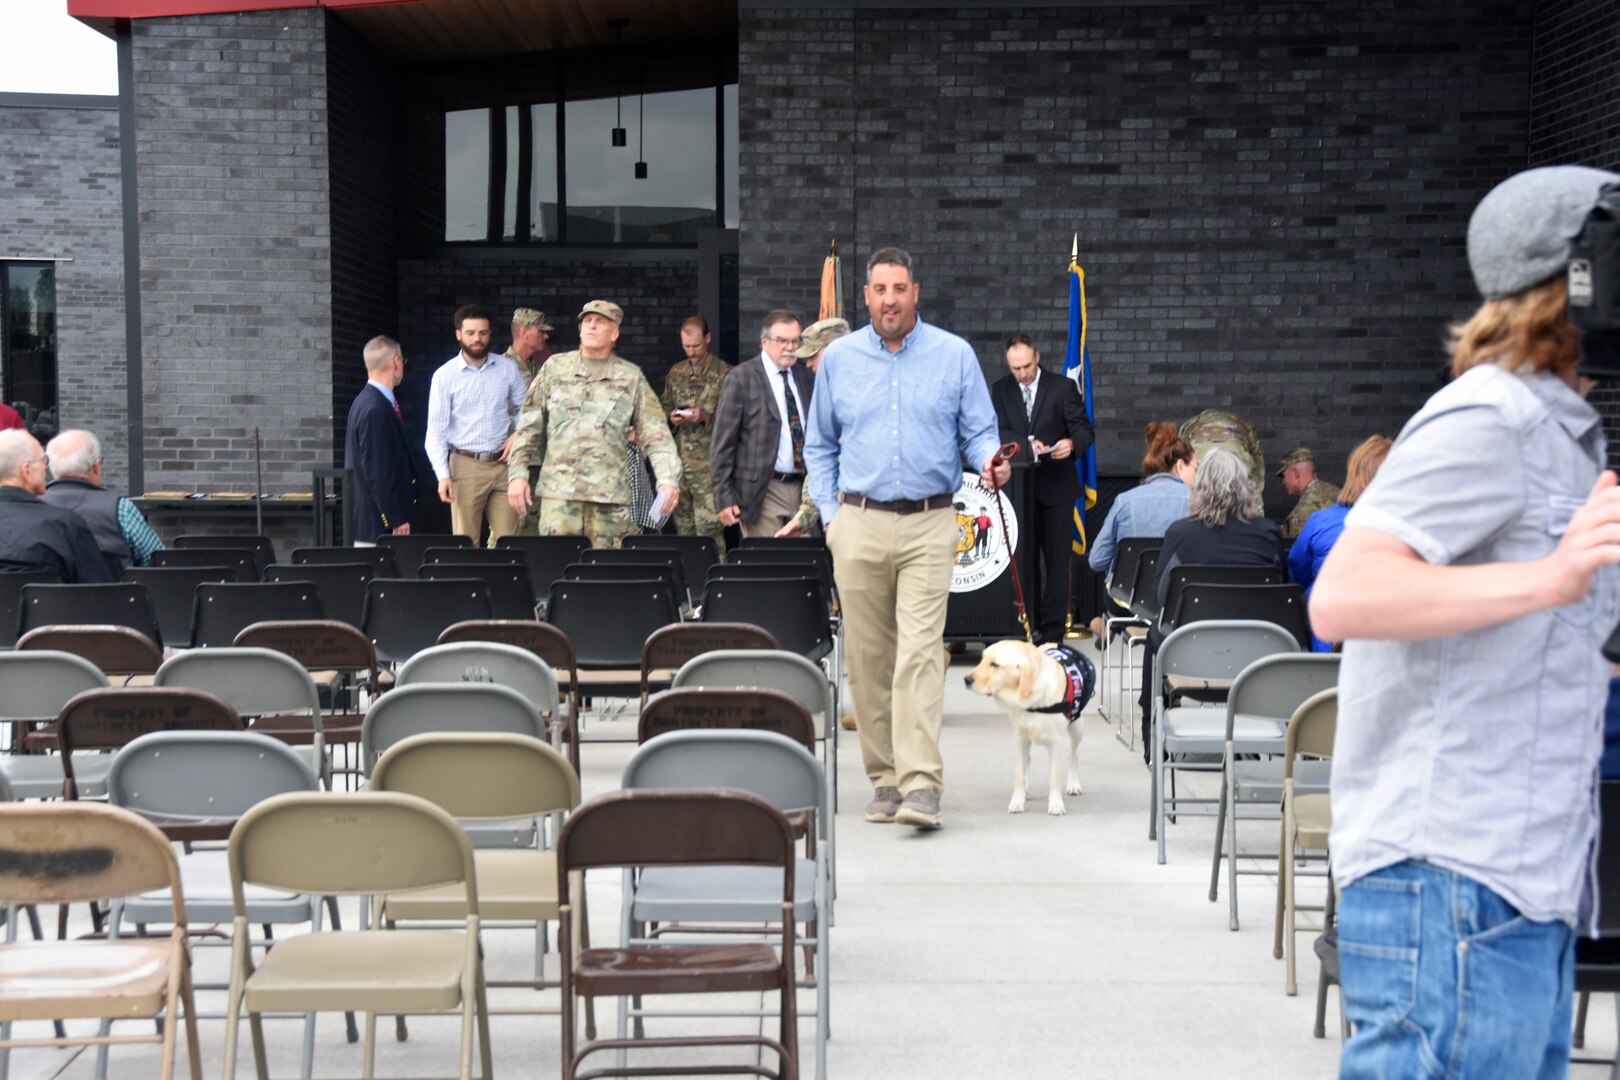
(641, 129)
(619, 138)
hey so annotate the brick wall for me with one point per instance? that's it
(59, 196)
(364, 117)
(1575, 113)
(236, 247)
(1270, 199)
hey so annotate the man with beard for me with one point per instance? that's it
(470, 407)
(899, 406)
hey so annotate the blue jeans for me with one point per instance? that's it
(1444, 978)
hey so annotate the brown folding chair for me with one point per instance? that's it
(65, 853)
(671, 646)
(341, 660)
(116, 650)
(111, 719)
(654, 827)
(544, 640)
(750, 708)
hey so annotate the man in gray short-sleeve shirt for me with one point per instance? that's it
(1473, 586)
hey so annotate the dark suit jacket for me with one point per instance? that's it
(1059, 414)
(384, 480)
(747, 427)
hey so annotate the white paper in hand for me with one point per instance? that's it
(661, 508)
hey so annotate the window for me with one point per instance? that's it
(29, 336)
(503, 177)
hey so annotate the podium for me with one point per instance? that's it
(981, 606)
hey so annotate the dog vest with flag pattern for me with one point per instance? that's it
(1079, 675)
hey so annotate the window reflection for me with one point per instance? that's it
(30, 344)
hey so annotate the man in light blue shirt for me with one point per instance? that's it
(898, 407)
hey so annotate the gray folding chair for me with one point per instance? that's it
(490, 662)
(1263, 697)
(1204, 656)
(259, 683)
(193, 785)
(787, 776)
(34, 686)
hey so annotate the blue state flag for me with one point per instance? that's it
(1077, 366)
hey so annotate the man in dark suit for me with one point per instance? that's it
(1044, 415)
(384, 494)
(756, 455)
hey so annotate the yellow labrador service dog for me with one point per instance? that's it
(1044, 689)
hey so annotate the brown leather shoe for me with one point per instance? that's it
(847, 722)
(884, 805)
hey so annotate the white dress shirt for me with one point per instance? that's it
(784, 441)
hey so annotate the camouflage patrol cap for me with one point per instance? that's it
(528, 316)
(818, 336)
(1296, 457)
(605, 308)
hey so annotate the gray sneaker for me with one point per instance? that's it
(884, 805)
(921, 809)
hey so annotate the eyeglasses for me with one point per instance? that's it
(786, 343)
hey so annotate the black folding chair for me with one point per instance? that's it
(1597, 960)
(819, 557)
(225, 610)
(120, 604)
(242, 561)
(11, 586)
(1280, 605)
(264, 551)
(547, 556)
(404, 616)
(1183, 575)
(342, 585)
(698, 553)
(755, 571)
(609, 622)
(783, 543)
(641, 557)
(791, 609)
(380, 559)
(485, 556)
(173, 591)
(1144, 596)
(511, 593)
(1122, 574)
(605, 571)
(410, 548)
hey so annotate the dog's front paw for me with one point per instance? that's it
(1016, 805)
(1073, 787)
(1055, 807)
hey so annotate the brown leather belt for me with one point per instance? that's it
(490, 456)
(902, 506)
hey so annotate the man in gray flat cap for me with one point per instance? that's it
(1473, 588)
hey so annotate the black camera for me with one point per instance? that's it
(1594, 287)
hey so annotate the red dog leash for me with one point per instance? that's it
(1003, 457)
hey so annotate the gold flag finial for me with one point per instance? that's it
(832, 248)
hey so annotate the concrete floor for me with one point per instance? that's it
(999, 946)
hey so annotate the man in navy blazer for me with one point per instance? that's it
(384, 490)
(1044, 415)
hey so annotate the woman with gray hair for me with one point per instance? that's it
(1223, 528)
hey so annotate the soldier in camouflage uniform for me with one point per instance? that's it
(530, 334)
(576, 422)
(1213, 427)
(1298, 474)
(817, 336)
(691, 391)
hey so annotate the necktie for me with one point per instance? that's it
(1029, 401)
(397, 412)
(795, 425)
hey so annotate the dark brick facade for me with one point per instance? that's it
(236, 247)
(59, 197)
(1270, 199)
(1575, 114)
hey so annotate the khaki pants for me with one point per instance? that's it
(480, 488)
(894, 576)
(781, 503)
